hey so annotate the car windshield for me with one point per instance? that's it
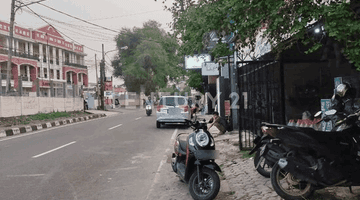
(172, 101)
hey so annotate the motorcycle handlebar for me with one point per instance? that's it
(195, 124)
(356, 114)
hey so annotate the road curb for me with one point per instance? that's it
(36, 127)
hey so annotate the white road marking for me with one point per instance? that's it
(138, 118)
(157, 175)
(115, 126)
(54, 149)
(120, 169)
(48, 129)
(26, 175)
(174, 134)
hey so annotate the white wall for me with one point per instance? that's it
(17, 106)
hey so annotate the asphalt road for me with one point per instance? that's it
(116, 157)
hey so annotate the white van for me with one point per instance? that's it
(172, 109)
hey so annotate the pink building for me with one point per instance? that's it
(41, 54)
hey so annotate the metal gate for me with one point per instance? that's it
(261, 88)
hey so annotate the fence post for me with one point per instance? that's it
(20, 85)
(64, 90)
(37, 87)
(52, 93)
(74, 90)
(0, 82)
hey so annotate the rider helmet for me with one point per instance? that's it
(341, 89)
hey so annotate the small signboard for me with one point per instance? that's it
(210, 69)
(227, 107)
(32, 94)
(337, 81)
(325, 105)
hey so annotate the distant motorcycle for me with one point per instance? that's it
(194, 161)
(148, 109)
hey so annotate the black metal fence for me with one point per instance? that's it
(262, 100)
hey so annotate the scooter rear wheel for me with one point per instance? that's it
(208, 189)
(288, 187)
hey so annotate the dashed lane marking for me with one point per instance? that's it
(115, 127)
(54, 149)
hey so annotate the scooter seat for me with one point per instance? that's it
(182, 138)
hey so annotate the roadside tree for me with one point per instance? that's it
(151, 57)
(282, 22)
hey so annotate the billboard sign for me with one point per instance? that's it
(209, 69)
(194, 62)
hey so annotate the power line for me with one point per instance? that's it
(124, 15)
(60, 31)
(85, 28)
(78, 18)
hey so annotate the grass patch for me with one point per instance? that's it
(245, 154)
(47, 116)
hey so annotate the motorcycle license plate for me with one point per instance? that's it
(173, 111)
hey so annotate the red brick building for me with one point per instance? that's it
(41, 54)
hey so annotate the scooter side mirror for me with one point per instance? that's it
(318, 114)
(330, 112)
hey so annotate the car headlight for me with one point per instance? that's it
(202, 139)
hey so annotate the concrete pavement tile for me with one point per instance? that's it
(224, 186)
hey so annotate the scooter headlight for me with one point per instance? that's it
(191, 141)
(202, 139)
(148, 107)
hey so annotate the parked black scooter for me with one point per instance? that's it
(193, 161)
(269, 149)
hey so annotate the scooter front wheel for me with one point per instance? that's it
(209, 186)
(264, 169)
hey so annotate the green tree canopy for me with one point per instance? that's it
(150, 60)
(281, 22)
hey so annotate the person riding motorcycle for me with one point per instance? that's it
(149, 101)
(343, 98)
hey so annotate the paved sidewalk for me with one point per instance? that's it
(245, 183)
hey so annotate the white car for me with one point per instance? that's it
(172, 109)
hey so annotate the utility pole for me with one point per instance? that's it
(102, 77)
(97, 82)
(11, 36)
(12, 19)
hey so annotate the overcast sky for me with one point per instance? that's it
(112, 14)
